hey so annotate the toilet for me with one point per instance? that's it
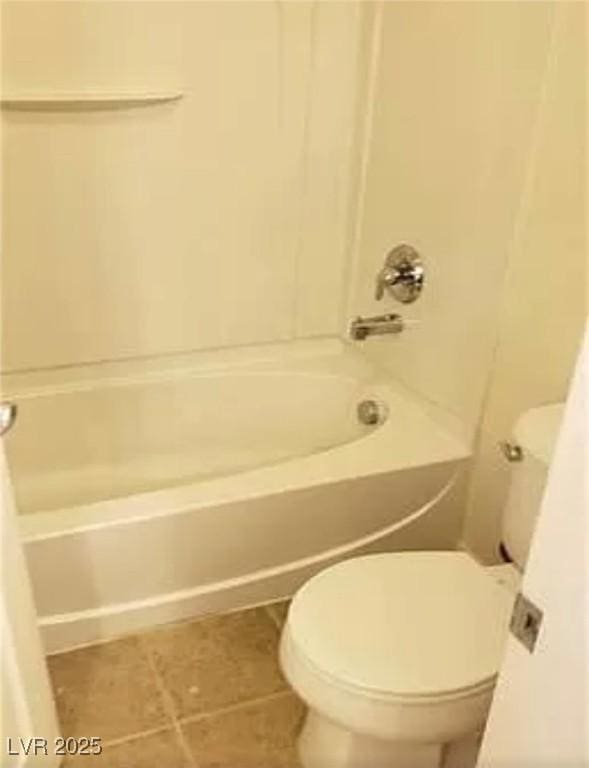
(396, 655)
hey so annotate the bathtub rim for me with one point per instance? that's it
(263, 356)
(328, 358)
(329, 466)
(350, 429)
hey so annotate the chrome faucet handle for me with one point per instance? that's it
(385, 279)
(402, 275)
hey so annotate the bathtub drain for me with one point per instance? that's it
(371, 412)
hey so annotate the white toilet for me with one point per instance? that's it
(396, 655)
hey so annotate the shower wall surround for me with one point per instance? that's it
(217, 220)
(455, 90)
(544, 303)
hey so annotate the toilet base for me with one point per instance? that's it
(323, 744)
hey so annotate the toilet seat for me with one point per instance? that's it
(399, 644)
(404, 624)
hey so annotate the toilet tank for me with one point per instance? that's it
(535, 432)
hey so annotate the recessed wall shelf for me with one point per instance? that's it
(86, 101)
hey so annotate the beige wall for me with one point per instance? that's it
(544, 301)
(455, 93)
(218, 220)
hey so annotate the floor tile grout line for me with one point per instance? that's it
(189, 719)
(179, 722)
(184, 745)
(168, 704)
(135, 736)
(272, 617)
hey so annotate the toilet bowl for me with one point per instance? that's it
(396, 657)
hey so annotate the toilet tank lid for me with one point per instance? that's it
(536, 430)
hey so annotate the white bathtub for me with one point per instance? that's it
(152, 494)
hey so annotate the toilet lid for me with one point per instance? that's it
(406, 624)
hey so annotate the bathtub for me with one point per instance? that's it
(153, 492)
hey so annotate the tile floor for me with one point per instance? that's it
(203, 694)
